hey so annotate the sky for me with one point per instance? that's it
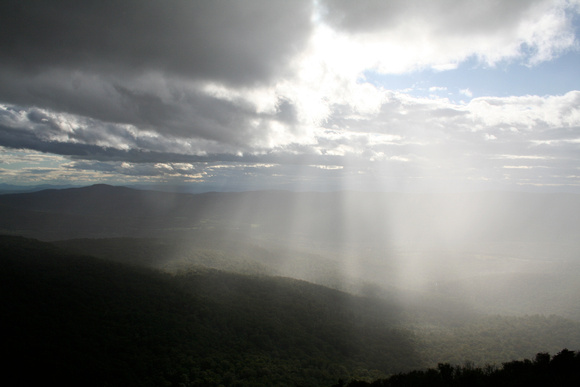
(316, 95)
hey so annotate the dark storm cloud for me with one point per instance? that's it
(17, 138)
(235, 42)
(144, 63)
(286, 112)
(189, 113)
(21, 139)
(175, 110)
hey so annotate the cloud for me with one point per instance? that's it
(466, 92)
(151, 64)
(408, 136)
(165, 170)
(410, 35)
(230, 42)
(527, 112)
(157, 89)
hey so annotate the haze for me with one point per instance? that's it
(402, 150)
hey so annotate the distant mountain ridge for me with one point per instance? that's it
(11, 188)
(536, 223)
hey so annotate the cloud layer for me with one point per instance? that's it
(276, 90)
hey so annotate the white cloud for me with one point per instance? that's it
(402, 36)
(466, 92)
(523, 157)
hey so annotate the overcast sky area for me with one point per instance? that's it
(447, 95)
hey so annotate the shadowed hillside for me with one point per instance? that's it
(77, 319)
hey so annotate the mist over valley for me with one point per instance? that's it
(502, 252)
(412, 280)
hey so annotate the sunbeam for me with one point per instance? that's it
(284, 193)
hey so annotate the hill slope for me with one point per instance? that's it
(76, 318)
(506, 253)
(80, 320)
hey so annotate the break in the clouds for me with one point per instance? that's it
(290, 93)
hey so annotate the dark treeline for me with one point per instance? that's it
(563, 369)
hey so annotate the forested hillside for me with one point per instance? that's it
(519, 259)
(75, 319)
(485, 283)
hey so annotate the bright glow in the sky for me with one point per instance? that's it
(322, 95)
